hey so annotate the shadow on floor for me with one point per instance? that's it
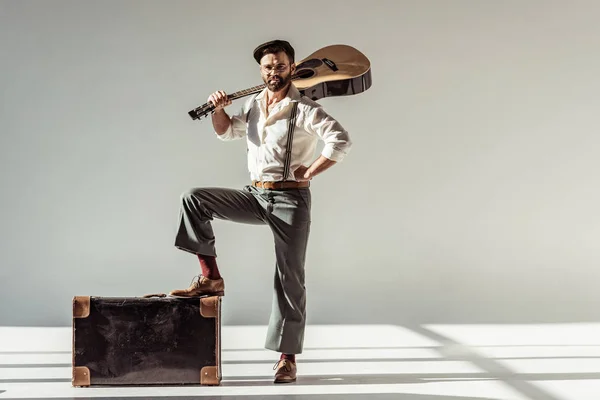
(345, 396)
(377, 379)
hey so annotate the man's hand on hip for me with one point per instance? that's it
(301, 174)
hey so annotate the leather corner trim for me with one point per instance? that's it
(81, 306)
(209, 306)
(210, 376)
(81, 376)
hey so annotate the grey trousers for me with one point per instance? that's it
(287, 213)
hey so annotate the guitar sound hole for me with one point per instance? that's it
(312, 63)
(305, 73)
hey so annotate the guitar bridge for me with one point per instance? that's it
(330, 64)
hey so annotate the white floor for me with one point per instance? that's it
(437, 362)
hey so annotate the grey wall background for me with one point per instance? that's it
(471, 193)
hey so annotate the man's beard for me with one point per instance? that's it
(276, 83)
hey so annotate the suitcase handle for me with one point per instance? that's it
(147, 296)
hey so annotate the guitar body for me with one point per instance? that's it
(337, 70)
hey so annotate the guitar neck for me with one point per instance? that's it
(252, 90)
(207, 108)
(246, 92)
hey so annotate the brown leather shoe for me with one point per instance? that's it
(202, 287)
(286, 372)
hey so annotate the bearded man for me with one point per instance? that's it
(282, 129)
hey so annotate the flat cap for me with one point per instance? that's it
(281, 43)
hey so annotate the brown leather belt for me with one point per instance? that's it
(280, 184)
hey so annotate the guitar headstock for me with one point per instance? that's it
(202, 112)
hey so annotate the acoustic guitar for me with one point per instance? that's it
(337, 70)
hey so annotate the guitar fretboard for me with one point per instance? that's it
(206, 108)
(246, 92)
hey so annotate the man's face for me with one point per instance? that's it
(276, 70)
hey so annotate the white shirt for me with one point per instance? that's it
(267, 137)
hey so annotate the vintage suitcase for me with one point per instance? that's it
(146, 341)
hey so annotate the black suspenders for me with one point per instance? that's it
(290, 139)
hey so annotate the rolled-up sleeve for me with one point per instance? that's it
(337, 140)
(237, 128)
